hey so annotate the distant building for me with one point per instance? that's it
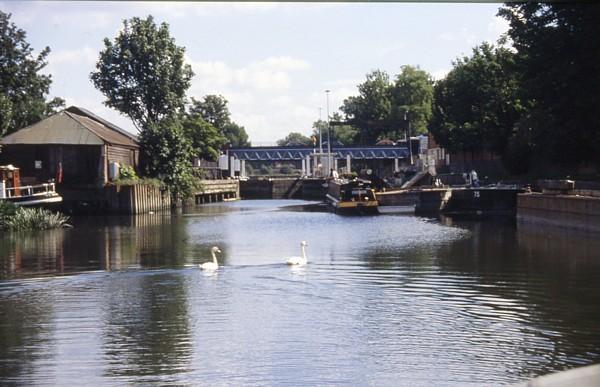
(74, 147)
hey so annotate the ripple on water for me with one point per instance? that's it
(392, 300)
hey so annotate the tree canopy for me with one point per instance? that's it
(23, 88)
(205, 139)
(384, 108)
(143, 74)
(169, 155)
(340, 131)
(370, 110)
(476, 105)
(213, 109)
(411, 97)
(558, 60)
(295, 139)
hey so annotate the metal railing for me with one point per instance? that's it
(44, 189)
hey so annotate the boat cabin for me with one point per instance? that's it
(355, 195)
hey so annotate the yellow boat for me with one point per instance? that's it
(352, 196)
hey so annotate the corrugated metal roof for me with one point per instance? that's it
(68, 128)
(84, 112)
(107, 134)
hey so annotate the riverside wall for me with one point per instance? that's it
(282, 188)
(571, 211)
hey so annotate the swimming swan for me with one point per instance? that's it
(299, 260)
(214, 265)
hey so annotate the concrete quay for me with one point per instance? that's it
(571, 211)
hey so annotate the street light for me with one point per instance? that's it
(328, 133)
(406, 118)
(320, 135)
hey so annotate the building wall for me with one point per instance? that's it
(40, 163)
(123, 156)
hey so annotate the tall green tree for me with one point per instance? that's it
(214, 110)
(558, 58)
(477, 105)
(236, 135)
(206, 140)
(383, 109)
(370, 110)
(142, 73)
(23, 88)
(169, 155)
(411, 99)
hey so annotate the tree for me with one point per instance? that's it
(205, 139)
(477, 105)
(295, 139)
(340, 131)
(169, 155)
(411, 99)
(558, 58)
(383, 109)
(22, 87)
(370, 110)
(236, 135)
(142, 74)
(213, 109)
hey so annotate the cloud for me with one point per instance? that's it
(498, 26)
(271, 74)
(84, 55)
(462, 35)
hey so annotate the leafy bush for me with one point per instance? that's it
(34, 219)
(7, 211)
(126, 172)
(139, 181)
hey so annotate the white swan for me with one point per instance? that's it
(299, 260)
(214, 265)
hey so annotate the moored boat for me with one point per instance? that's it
(352, 196)
(25, 195)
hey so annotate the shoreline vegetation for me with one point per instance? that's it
(15, 218)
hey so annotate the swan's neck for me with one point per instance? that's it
(214, 257)
(303, 253)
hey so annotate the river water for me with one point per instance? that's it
(389, 300)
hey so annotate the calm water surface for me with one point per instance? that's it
(388, 300)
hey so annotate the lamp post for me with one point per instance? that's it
(407, 119)
(328, 133)
(320, 135)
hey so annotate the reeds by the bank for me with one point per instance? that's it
(17, 218)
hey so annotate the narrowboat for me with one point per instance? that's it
(352, 196)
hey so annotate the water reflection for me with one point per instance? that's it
(383, 299)
(25, 335)
(150, 314)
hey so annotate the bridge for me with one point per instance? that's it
(311, 159)
(301, 153)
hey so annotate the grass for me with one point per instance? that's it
(13, 217)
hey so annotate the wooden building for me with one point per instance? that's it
(74, 147)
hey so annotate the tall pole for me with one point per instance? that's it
(320, 134)
(407, 118)
(328, 133)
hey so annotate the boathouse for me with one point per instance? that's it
(74, 147)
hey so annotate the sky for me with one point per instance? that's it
(271, 61)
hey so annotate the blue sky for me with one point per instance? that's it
(272, 61)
